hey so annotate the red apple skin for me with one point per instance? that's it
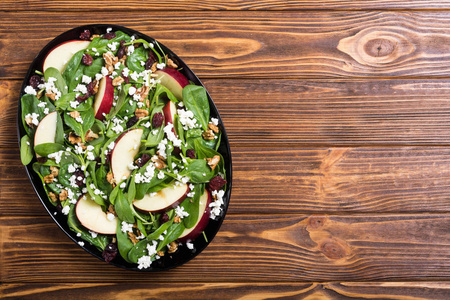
(175, 83)
(169, 111)
(171, 206)
(106, 101)
(201, 225)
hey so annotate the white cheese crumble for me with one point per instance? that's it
(168, 129)
(160, 66)
(66, 210)
(126, 227)
(189, 245)
(104, 71)
(30, 90)
(86, 79)
(160, 175)
(216, 206)
(110, 217)
(93, 234)
(42, 104)
(144, 262)
(187, 119)
(130, 50)
(56, 155)
(123, 185)
(180, 212)
(34, 118)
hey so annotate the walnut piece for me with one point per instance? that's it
(159, 163)
(160, 253)
(173, 247)
(212, 162)
(110, 179)
(177, 219)
(55, 171)
(94, 36)
(171, 64)
(153, 68)
(48, 178)
(51, 96)
(109, 58)
(213, 127)
(63, 195)
(53, 196)
(141, 113)
(74, 114)
(208, 135)
(29, 121)
(90, 136)
(133, 238)
(143, 92)
(74, 139)
(118, 81)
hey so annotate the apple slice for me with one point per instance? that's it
(203, 219)
(167, 198)
(46, 130)
(59, 56)
(173, 80)
(104, 98)
(125, 149)
(91, 216)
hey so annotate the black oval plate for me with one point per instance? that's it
(183, 254)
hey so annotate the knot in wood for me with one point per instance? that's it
(316, 222)
(332, 249)
(379, 47)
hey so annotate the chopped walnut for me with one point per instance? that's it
(133, 238)
(213, 127)
(110, 179)
(173, 247)
(208, 135)
(160, 253)
(171, 64)
(109, 58)
(153, 68)
(141, 113)
(29, 121)
(95, 90)
(90, 136)
(74, 139)
(63, 195)
(111, 210)
(159, 163)
(110, 69)
(94, 36)
(51, 96)
(53, 196)
(124, 58)
(212, 162)
(74, 114)
(48, 178)
(143, 92)
(55, 171)
(118, 81)
(39, 94)
(177, 219)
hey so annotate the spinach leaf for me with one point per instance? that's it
(74, 125)
(90, 186)
(143, 187)
(123, 209)
(71, 72)
(196, 100)
(95, 68)
(64, 101)
(191, 206)
(155, 234)
(138, 250)
(123, 97)
(88, 117)
(134, 60)
(123, 242)
(161, 95)
(30, 104)
(102, 182)
(173, 233)
(26, 150)
(60, 83)
(48, 148)
(59, 135)
(199, 171)
(204, 152)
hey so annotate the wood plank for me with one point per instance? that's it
(250, 248)
(229, 290)
(105, 5)
(311, 112)
(248, 44)
(315, 180)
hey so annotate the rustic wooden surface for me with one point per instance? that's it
(338, 115)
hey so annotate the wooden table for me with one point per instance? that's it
(338, 114)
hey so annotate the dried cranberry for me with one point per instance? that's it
(176, 151)
(150, 61)
(35, 81)
(191, 153)
(42, 159)
(59, 208)
(164, 218)
(109, 35)
(126, 79)
(85, 35)
(87, 59)
(91, 86)
(216, 183)
(121, 51)
(108, 157)
(157, 120)
(79, 177)
(110, 252)
(81, 99)
(143, 160)
(131, 121)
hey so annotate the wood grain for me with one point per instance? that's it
(314, 180)
(130, 5)
(229, 290)
(311, 112)
(251, 248)
(248, 44)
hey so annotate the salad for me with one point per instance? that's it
(124, 145)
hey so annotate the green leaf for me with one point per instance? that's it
(196, 100)
(173, 233)
(59, 136)
(74, 125)
(26, 150)
(95, 68)
(60, 83)
(191, 206)
(48, 148)
(138, 250)
(123, 209)
(155, 234)
(70, 72)
(64, 101)
(123, 242)
(123, 96)
(134, 60)
(199, 171)
(88, 117)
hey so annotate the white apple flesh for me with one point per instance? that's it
(204, 212)
(173, 80)
(104, 98)
(46, 130)
(59, 56)
(166, 199)
(91, 216)
(125, 149)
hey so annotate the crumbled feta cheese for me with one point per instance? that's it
(108, 30)
(180, 212)
(160, 66)
(189, 245)
(123, 185)
(81, 243)
(125, 72)
(46, 111)
(86, 79)
(144, 262)
(111, 145)
(126, 227)
(78, 234)
(93, 234)
(187, 119)
(168, 129)
(42, 104)
(65, 210)
(110, 216)
(74, 104)
(99, 76)
(130, 50)
(216, 206)
(160, 175)
(152, 248)
(30, 90)
(90, 156)
(215, 121)
(56, 155)
(104, 71)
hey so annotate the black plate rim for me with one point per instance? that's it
(37, 184)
